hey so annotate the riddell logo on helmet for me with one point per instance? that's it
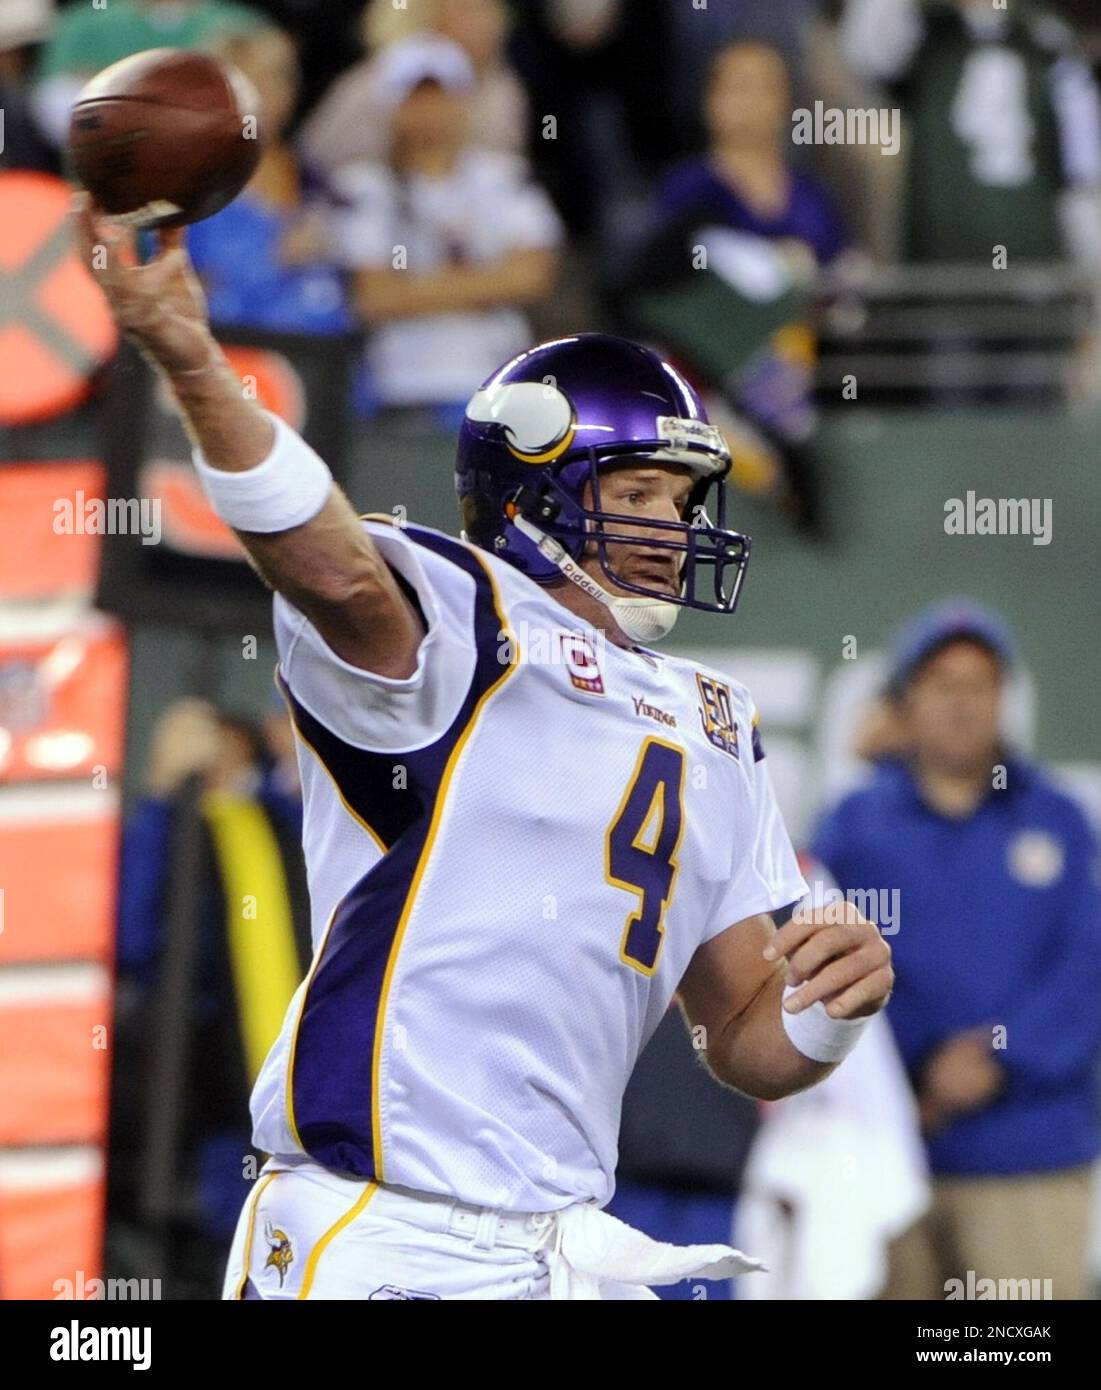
(678, 431)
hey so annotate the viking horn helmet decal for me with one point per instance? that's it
(536, 417)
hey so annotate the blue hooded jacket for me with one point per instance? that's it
(999, 923)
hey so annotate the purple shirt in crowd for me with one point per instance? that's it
(810, 215)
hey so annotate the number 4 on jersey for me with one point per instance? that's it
(640, 848)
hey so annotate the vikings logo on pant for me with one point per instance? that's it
(281, 1254)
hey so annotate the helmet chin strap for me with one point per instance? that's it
(640, 619)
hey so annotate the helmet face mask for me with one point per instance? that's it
(543, 431)
(711, 559)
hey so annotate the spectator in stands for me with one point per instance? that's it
(22, 24)
(742, 323)
(448, 242)
(1004, 144)
(215, 766)
(88, 38)
(351, 123)
(998, 959)
(599, 75)
(699, 31)
(264, 260)
(835, 1173)
(745, 180)
(231, 756)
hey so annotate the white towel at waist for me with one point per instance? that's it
(591, 1254)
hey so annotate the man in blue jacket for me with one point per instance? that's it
(997, 1002)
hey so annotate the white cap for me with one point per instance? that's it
(404, 64)
(25, 21)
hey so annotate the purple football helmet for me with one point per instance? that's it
(543, 426)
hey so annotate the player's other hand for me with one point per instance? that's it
(961, 1075)
(835, 954)
(160, 304)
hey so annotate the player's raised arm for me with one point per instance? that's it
(322, 560)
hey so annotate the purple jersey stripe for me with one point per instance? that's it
(332, 1085)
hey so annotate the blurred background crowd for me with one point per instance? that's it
(458, 177)
(878, 323)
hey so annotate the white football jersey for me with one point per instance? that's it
(513, 855)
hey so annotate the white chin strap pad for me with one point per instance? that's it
(644, 619)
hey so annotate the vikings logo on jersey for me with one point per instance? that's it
(281, 1254)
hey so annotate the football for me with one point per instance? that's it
(165, 137)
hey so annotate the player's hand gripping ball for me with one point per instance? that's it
(834, 954)
(165, 138)
(160, 305)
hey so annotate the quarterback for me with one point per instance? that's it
(525, 830)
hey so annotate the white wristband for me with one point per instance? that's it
(287, 489)
(818, 1036)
